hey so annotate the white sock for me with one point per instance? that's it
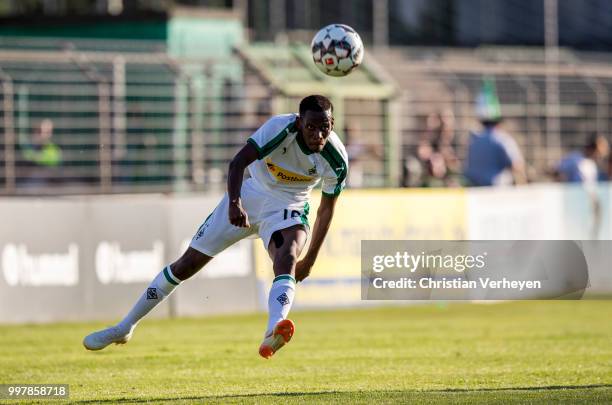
(280, 300)
(161, 287)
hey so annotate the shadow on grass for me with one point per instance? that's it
(307, 394)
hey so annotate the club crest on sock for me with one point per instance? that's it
(151, 293)
(283, 299)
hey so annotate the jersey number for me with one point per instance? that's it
(292, 213)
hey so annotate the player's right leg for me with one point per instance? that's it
(215, 234)
(284, 248)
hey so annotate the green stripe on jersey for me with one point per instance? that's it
(304, 216)
(274, 142)
(338, 165)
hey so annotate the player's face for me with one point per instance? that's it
(316, 127)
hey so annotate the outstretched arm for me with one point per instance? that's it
(325, 214)
(237, 214)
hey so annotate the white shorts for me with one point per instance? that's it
(266, 215)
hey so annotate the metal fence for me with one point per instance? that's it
(447, 81)
(128, 117)
(123, 121)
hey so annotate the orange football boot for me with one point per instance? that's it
(283, 331)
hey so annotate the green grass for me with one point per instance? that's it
(518, 352)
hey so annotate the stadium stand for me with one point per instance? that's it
(453, 78)
(128, 117)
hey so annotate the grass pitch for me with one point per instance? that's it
(517, 352)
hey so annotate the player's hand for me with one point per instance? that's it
(237, 215)
(302, 269)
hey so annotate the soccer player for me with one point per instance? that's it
(286, 157)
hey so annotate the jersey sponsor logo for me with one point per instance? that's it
(312, 170)
(283, 175)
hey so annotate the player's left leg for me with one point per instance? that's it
(164, 284)
(213, 236)
(284, 248)
(158, 290)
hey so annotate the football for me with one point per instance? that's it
(337, 50)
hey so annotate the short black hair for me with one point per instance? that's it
(315, 103)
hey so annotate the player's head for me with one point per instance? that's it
(316, 121)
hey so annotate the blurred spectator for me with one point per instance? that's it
(494, 158)
(359, 153)
(42, 157)
(439, 164)
(583, 166)
(607, 176)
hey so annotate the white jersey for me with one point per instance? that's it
(276, 196)
(287, 169)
